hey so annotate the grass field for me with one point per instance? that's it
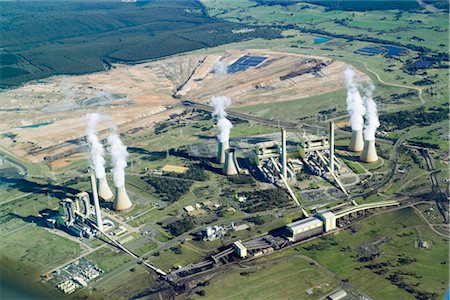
(401, 228)
(108, 259)
(168, 259)
(294, 276)
(34, 249)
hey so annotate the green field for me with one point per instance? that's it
(287, 278)
(33, 251)
(109, 259)
(401, 228)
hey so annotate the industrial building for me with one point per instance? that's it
(303, 229)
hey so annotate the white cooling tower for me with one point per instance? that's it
(221, 151)
(231, 166)
(122, 201)
(369, 153)
(104, 191)
(98, 216)
(357, 142)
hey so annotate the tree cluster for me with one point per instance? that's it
(265, 200)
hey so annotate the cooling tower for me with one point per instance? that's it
(356, 143)
(98, 216)
(122, 201)
(369, 153)
(104, 191)
(231, 166)
(221, 152)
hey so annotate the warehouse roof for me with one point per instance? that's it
(300, 225)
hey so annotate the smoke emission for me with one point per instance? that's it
(220, 103)
(220, 68)
(119, 156)
(355, 105)
(372, 121)
(96, 148)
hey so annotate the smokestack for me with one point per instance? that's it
(122, 202)
(356, 143)
(283, 154)
(98, 216)
(331, 142)
(369, 153)
(103, 189)
(231, 166)
(223, 146)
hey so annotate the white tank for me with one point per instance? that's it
(221, 151)
(231, 166)
(122, 201)
(369, 153)
(104, 191)
(357, 142)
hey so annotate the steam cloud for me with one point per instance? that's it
(96, 148)
(355, 106)
(372, 122)
(220, 67)
(220, 103)
(119, 156)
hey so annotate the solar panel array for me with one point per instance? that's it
(245, 62)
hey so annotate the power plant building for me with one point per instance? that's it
(303, 229)
(328, 218)
(314, 143)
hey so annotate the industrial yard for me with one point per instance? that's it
(252, 170)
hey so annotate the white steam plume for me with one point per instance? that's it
(96, 148)
(220, 103)
(119, 156)
(372, 122)
(220, 68)
(355, 106)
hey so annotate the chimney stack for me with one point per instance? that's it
(122, 202)
(98, 216)
(283, 154)
(223, 146)
(356, 143)
(369, 153)
(231, 166)
(104, 191)
(331, 142)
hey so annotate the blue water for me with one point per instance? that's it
(370, 51)
(320, 40)
(394, 51)
(245, 62)
(423, 64)
(37, 125)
